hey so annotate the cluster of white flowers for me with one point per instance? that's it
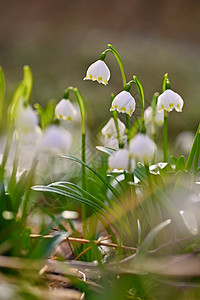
(54, 139)
(141, 148)
(32, 141)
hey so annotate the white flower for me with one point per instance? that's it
(119, 160)
(98, 71)
(26, 118)
(148, 114)
(159, 116)
(142, 148)
(123, 103)
(109, 130)
(55, 140)
(170, 100)
(111, 142)
(65, 110)
(31, 137)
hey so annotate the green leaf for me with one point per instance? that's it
(28, 82)
(22, 91)
(140, 172)
(180, 163)
(2, 91)
(193, 150)
(109, 186)
(16, 192)
(106, 150)
(47, 114)
(53, 190)
(44, 246)
(17, 95)
(67, 185)
(145, 245)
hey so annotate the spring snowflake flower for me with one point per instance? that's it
(111, 142)
(109, 130)
(26, 118)
(170, 100)
(119, 160)
(65, 110)
(98, 71)
(159, 116)
(142, 148)
(31, 137)
(124, 103)
(55, 140)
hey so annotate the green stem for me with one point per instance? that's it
(165, 155)
(165, 83)
(83, 156)
(128, 127)
(142, 102)
(118, 58)
(2, 91)
(153, 105)
(114, 115)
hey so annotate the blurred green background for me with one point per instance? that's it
(60, 39)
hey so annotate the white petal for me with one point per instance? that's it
(119, 160)
(26, 118)
(65, 110)
(98, 71)
(142, 148)
(30, 137)
(148, 114)
(170, 100)
(124, 103)
(109, 130)
(159, 117)
(55, 140)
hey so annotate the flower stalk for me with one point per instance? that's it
(142, 103)
(80, 101)
(153, 104)
(118, 58)
(165, 86)
(114, 115)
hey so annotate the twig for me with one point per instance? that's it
(85, 241)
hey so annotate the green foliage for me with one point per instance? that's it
(46, 114)
(133, 207)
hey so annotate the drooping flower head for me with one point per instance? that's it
(98, 71)
(124, 103)
(142, 148)
(159, 116)
(119, 160)
(65, 110)
(26, 118)
(55, 140)
(109, 130)
(170, 100)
